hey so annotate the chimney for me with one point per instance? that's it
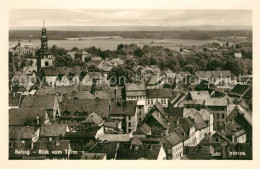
(115, 91)
(32, 145)
(233, 138)
(57, 142)
(151, 147)
(38, 119)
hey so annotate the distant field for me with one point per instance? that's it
(111, 43)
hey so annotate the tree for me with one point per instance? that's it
(138, 52)
(63, 61)
(78, 62)
(120, 46)
(75, 49)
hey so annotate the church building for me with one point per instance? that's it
(45, 59)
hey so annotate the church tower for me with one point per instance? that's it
(45, 58)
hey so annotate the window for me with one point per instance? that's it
(46, 63)
(129, 124)
(140, 112)
(216, 139)
(223, 115)
(71, 121)
(129, 117)
(217, 115)
(148, 101)
(129, 130)
(151, 101)
(140, 119)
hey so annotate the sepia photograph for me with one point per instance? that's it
(130, 84)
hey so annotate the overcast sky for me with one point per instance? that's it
(62, 17)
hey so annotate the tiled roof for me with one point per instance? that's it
(197, 152)
(114, 137)
(232, 125)
(180, 131)
(109, 148)
(239, 133)
(93, 118)
(126, 151)
(38, 101)
(99, 106)
(186, 124)
(93, 156)
(51, 71)
(217, 102)
(20, 116)
(198, 121)
(14, 99)
(155, 80)
(123, 107)
(174, 111)
(134, 87)
(199, 95)
(173, 138)
(53, 130)
(21, 132)
(240, 89)
(61, 145)
(49, 90)
(145, 129)
(159, 93)
(191, 102)
(88, 95)
(213, 73)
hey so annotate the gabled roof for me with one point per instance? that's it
(93, 118)
(191, 102)
(198, 121)
(155, 80)
(180, 131)
(49, 90)
(21, 132)
(109, 148)
(126, 151)
(123, 107)
(26, 116)
(173, 139)
(53, 130)
(199, 95)
(159, 93)
(217, 102)
(38, 101)
(134, 86)
(99, 106)
(232, 125)
(222, 136)
(186, 124)
(240, 133)
(145, 129)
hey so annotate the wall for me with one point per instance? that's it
(177, 151)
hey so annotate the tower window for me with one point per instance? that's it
(46, 63)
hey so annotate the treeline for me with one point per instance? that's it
(178, 34)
